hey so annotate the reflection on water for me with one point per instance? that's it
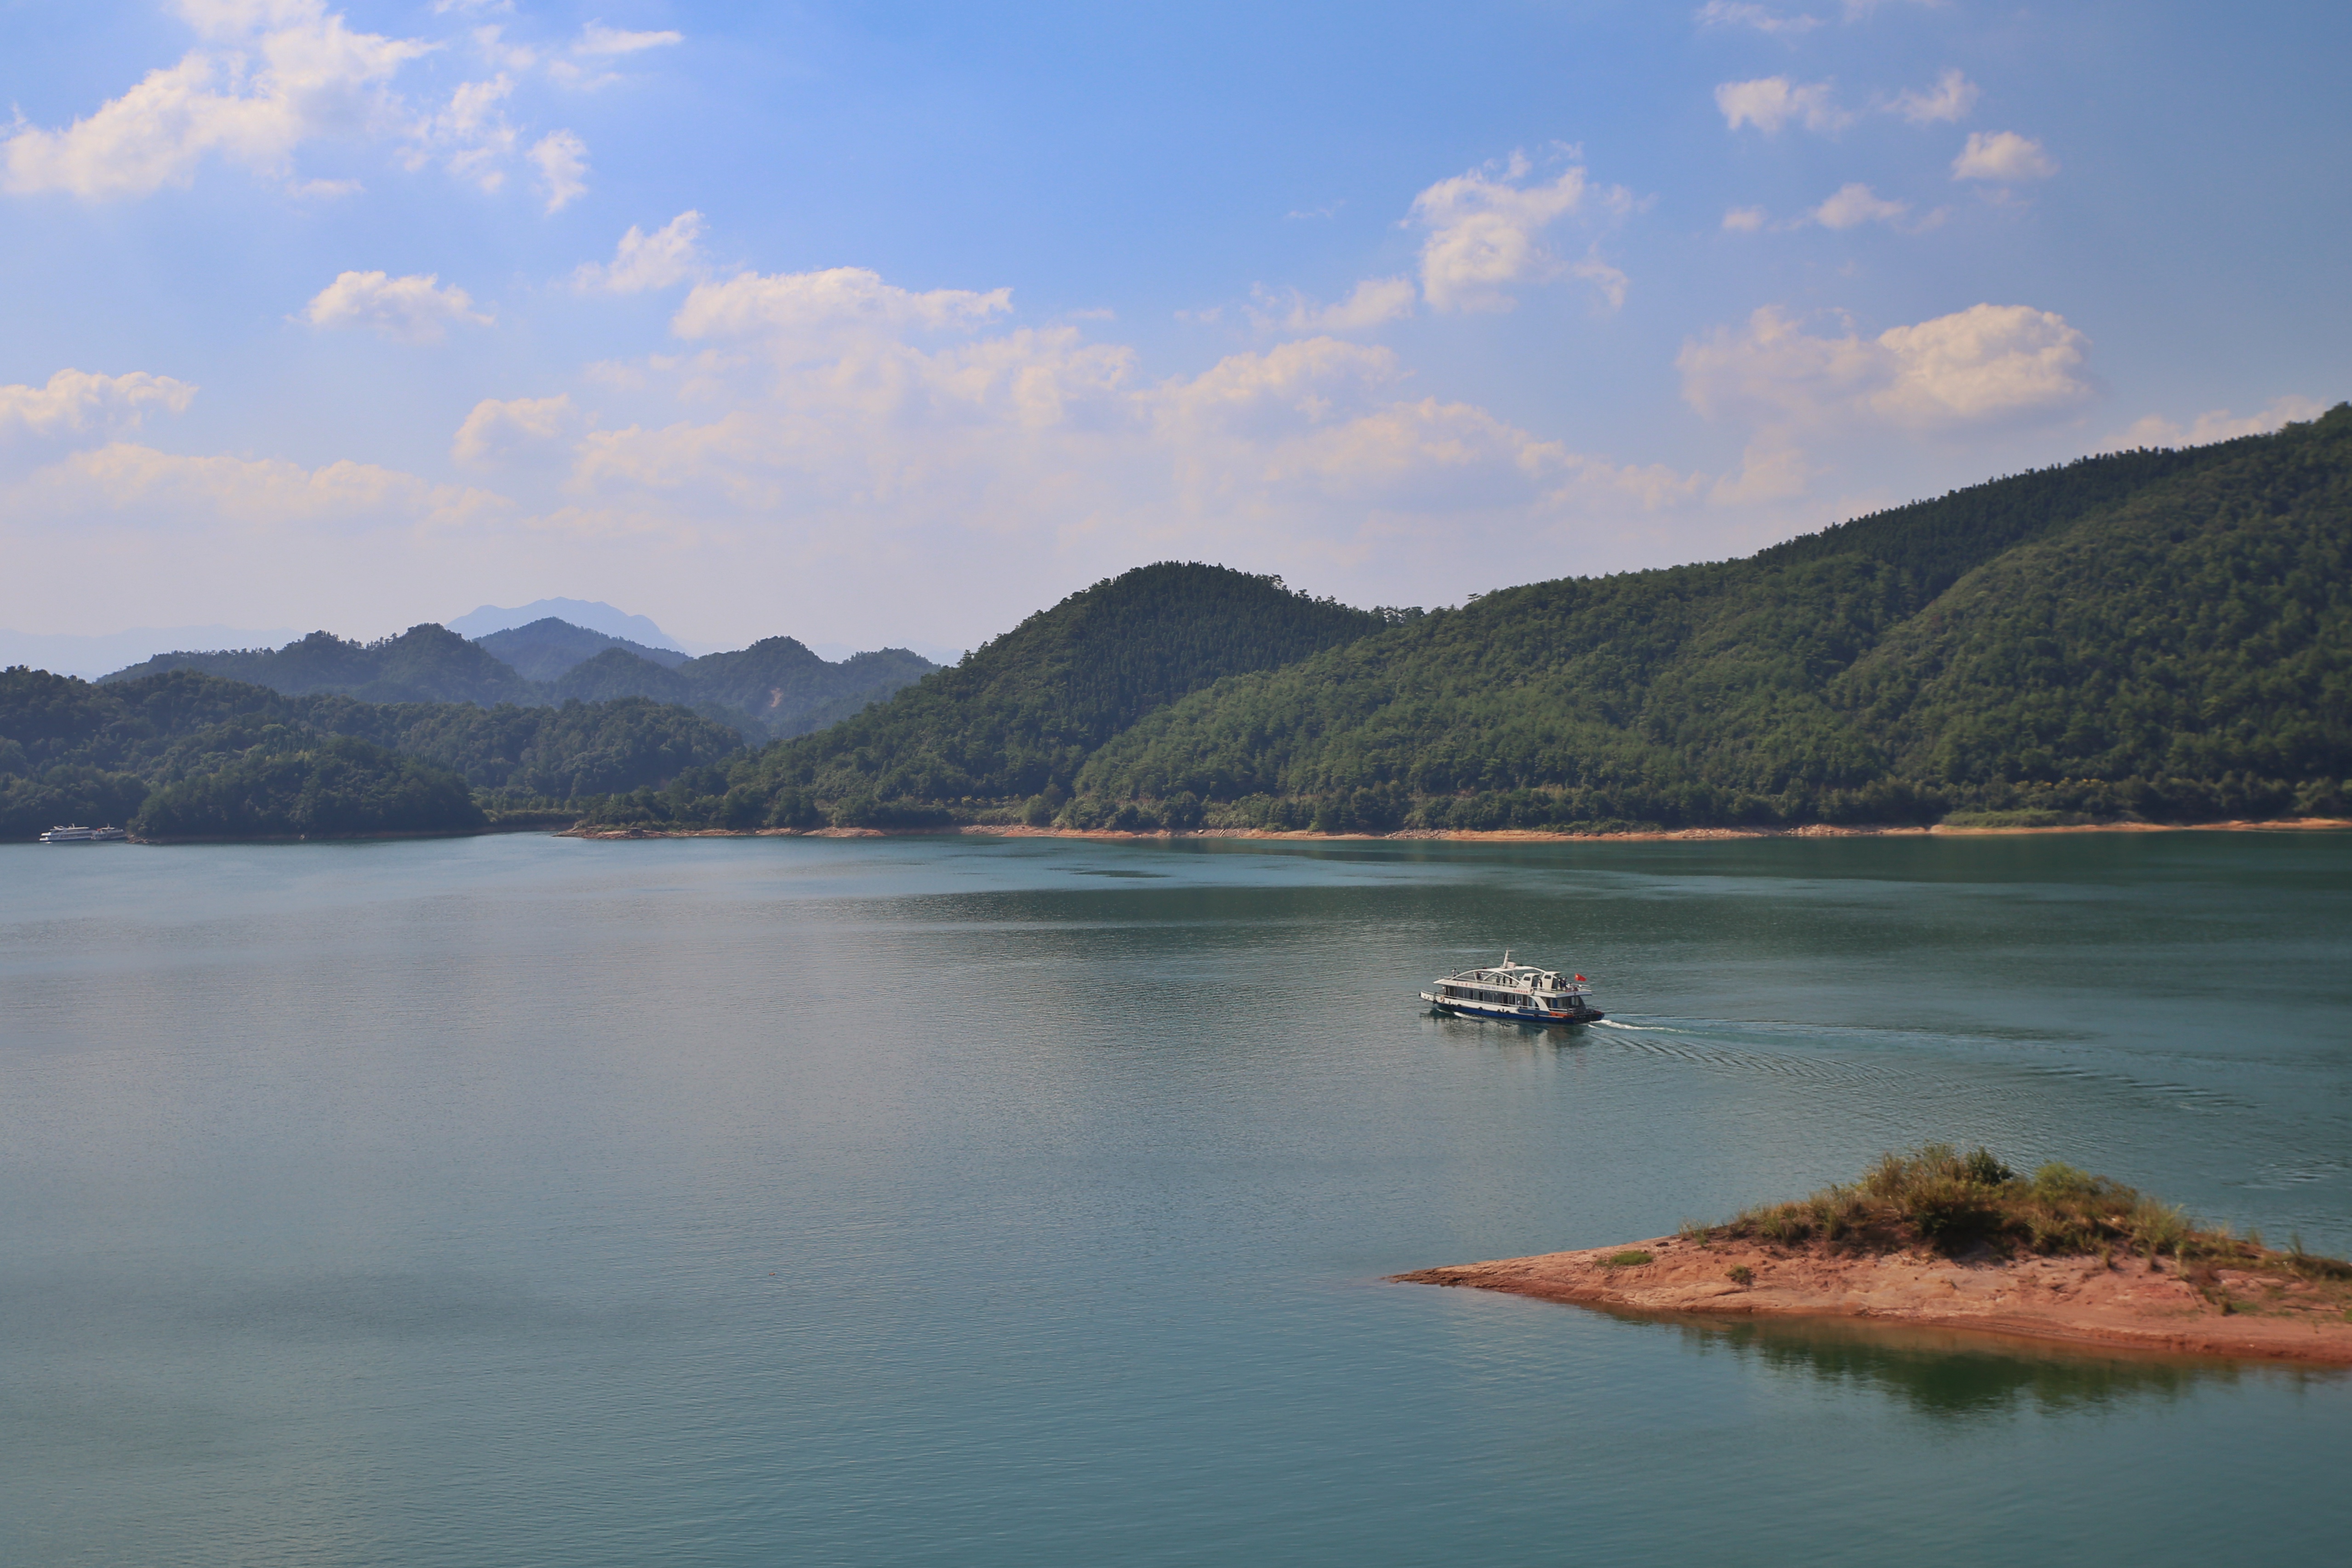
(512, 1201)
(1949, 1373)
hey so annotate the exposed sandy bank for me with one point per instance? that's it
(1505, 835)
(2079, 1300)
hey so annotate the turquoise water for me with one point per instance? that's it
(519, 1200)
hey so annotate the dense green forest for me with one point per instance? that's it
(2158, 634)
(774, 688)
(74, 751)
(292, 784)
(1023, 711)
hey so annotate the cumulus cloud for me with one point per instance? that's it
(862, 419)
(84, 403)
(670, 255)
(823, 306)
(1485, 229)
(271, 77)
(1733, 14)
(1769, 471)
(1374, 302)
(515, 430)
(127, 483)
(1743, 220)
(415, 309)
(1854, 206)
(563, 161)
(1950, 99)
(1987, 364)
(2215, 424)
(471, 133)
(1770, 103)
(2004, 156)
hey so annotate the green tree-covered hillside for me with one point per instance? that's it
(2158, 633)
(1020, 716)
(774, 688)
(290, 784)
(423, 663)
(72, 750)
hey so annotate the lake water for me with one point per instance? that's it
(521, 1200)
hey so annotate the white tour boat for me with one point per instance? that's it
(84, 836)
(1521, 993)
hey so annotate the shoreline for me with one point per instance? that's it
(2089, 1302)
(1465, 835)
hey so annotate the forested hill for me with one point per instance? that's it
(2162, 635)
(2166, 635)
(74, 751)
(1020, 714)
(423, 663)
(775, 687)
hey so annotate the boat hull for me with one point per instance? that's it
(1452, 1009)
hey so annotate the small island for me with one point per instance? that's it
(1935, 1237)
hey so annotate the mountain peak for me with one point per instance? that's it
(593, 615)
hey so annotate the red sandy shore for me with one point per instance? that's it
(2124, 1305)
(1508, 835)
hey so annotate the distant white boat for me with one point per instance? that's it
(84, 836)
(1521, 993)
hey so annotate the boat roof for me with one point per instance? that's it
(1508, 973)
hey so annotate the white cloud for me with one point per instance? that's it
(821, 307)
(1854, 206)
(671, 254)
(588, 65)
(414, 307)
(563, 160)
(1769, 103)
(596, 38)
(288, 72)
(1374, 302)
(1734, 13)
(2215, 424)
(1483, 234)
(1769, 471)
(471, 134)
(515, 430)
(1950, 99)
(1987, 364)
(168, 492)
(83, 402)
(1743, 220)
(2002, 155)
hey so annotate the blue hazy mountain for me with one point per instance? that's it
(592, 615)
(545, 649)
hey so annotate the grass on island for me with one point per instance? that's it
(1940, 1198)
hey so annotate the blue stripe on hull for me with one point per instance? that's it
(1512, 1015)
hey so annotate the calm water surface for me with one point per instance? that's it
(519, 1200)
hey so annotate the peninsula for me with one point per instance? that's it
(1936, 1239)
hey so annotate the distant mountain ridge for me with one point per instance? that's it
(546, 648)
(774, 688)
(588, 614)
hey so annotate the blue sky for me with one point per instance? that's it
(893, 322)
